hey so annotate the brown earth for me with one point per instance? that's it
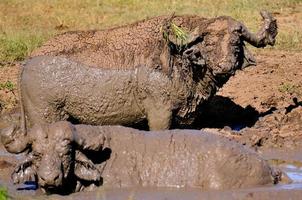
(9, 99)
(266, 98)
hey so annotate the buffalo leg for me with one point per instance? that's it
(159, 117)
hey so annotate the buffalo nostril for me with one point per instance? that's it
(57, 177)
(41, 180)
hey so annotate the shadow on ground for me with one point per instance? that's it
(221, 111)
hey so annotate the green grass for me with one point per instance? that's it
(16, 46)
(3, 193)
(8, 85)
(25, 24)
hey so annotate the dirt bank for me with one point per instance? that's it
(261, 106)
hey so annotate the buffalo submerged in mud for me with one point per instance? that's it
(59, 161)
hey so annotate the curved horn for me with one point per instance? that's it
(88, 139)
(266, 35)
(13, 140)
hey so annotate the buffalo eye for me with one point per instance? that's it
(37, 155)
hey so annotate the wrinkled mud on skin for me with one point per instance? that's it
(126, 157)
(155, 76)
(219, 40)
(101, 96)
(279, 191)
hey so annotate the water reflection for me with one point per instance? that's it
(293, 172)
(28, 185)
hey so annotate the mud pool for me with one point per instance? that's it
(292, 166)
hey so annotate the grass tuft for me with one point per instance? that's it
(15, 47)
(8, 85)
(290, 88)
(176, 32)
(3, 193)
(179, 33)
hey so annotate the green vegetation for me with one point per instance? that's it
(25, 24)
(176, 32)
(3, 194)
(179, 33)
(290, 88)
(17, 46)
(8, 85)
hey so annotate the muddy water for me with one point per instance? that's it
(292, 166)
(294, 172)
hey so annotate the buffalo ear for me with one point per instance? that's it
(193, 36)
(195, 56)
(248, 58)
(13, 140)
(85, 169)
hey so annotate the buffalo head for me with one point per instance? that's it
(54, 159)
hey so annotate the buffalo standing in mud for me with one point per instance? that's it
(60, 156)
(150, 70)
